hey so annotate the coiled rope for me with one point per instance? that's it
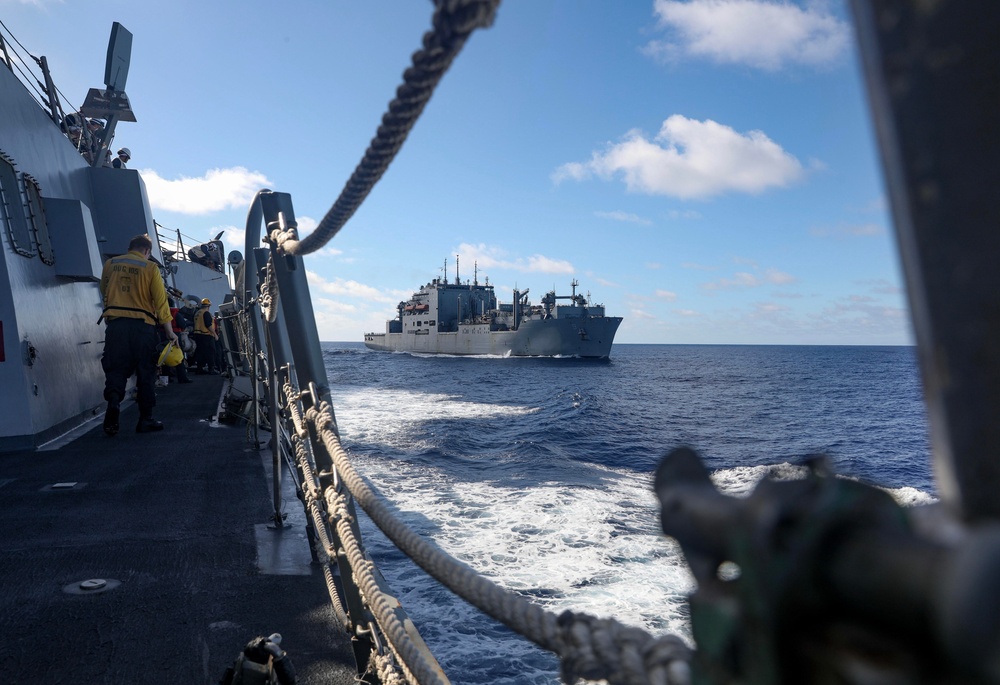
(454, 21)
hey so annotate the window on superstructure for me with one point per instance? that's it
(12, 209)
(36, 219)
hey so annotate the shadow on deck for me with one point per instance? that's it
(172, 517)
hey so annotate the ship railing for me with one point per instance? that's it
(23, 64)
(33, 73)
(290, 385)
(175, 245)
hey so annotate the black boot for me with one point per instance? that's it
(147, 424)
(111, 415)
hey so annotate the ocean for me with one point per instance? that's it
(538, 472)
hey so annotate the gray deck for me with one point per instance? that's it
(175, 517)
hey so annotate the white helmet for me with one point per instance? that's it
(125, 151)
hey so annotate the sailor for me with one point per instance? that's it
(124, 155)
(95, 128)
(135, 302)
(204, 336)
(180, 324)
(72, 124)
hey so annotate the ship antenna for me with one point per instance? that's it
(458, 281)
(446, 271)
(475, 273)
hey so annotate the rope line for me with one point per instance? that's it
(453, 22)
(588, 647)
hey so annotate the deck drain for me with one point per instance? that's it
(92, 586)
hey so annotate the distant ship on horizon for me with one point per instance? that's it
(465, 318)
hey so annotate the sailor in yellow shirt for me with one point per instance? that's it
(205, 339)
(135, 302)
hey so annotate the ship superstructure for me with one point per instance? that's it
(61, 216)
(465, 318)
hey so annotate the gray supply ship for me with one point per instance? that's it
(465, 318)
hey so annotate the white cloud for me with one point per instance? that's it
(306, 225)
(880, 286)
(743, 279)
(766, 308)
(338, 306)
(490, 257)
(778, 277)
(845, 231)
(217, 190)
(698, 267)
(640, 314)
(691, 159)
(675, 214)
(665, 295)
(234, 238)
(345, 288)
(624, 216)
(764, 34)
(865, 316)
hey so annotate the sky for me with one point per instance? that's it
(705, 169)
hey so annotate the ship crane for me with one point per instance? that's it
(549, 300)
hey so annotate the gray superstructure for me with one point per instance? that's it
(60, 218)
(465, 318)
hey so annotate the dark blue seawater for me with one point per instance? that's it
(537, 472)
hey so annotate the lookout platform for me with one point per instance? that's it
(175, 523)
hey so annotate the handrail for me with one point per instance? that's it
(360, 599)
(292, 384)
(295, 392)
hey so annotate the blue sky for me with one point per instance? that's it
(706, 169)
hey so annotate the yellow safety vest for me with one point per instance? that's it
(132, 288)
(199, 323)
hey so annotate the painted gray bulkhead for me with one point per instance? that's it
(49, 313)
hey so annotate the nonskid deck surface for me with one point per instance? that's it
(171, 516)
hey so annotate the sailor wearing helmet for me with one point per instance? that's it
(204, 338)
(124, 155)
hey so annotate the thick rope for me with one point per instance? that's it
(381, 605)
(453, 21)
(387, 669)
(391, 671)
(588, 647)
(269, 292)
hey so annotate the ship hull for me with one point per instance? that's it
(576, 337)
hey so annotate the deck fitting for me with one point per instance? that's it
(91, 586)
